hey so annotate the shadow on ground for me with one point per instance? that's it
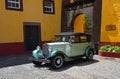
(67, 65)
(8, 61)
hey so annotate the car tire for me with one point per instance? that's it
(90, 55)
(57, 61)
(36, 63)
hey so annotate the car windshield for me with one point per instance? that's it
(61, 39)
(72, 37)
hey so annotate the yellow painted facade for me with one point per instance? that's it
(110, 17)
(11, 21)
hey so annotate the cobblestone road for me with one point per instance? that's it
(19, 67)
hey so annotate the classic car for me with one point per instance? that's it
(67, 46)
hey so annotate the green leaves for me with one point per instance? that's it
(109, 48)
(87, 24)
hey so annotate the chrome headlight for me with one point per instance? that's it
(50, 48)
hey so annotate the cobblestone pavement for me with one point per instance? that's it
(19, 67)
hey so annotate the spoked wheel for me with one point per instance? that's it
(36, 63)
(90, 55)
(57, 61)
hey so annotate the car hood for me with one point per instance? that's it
(57, 43)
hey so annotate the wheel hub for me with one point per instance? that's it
(58, 61)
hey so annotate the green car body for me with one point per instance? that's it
(67, 46)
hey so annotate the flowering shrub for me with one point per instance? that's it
(109, 48)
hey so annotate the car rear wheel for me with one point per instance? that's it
(90, 55)
(57, 61)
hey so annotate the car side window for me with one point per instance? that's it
(83, 39)
(74, 39)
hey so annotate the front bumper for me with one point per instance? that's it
(39, 60)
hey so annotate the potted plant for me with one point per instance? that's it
(110, 51)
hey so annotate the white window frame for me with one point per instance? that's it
(48, 7)
(14, 4)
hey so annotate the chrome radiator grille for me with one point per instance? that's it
(45, 50)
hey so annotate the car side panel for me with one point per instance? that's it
(77, 49)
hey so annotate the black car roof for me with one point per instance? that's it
(71, 33)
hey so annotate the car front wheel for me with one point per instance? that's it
(57, 61)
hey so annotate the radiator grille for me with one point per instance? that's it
(45, 50)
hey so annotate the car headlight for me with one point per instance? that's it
(50, 49)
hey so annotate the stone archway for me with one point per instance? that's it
(78, 23)
(81, 23)
(74, 17)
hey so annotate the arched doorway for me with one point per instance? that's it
(81, 23)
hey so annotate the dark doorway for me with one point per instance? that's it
(32, 35)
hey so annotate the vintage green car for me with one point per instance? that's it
(67, 46)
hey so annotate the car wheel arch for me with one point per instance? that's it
(57, 53)
(89, 53)
(87, 50)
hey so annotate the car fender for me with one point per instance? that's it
(54, 53)
(87, 51)
(37, 53)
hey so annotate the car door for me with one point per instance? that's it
(76, 49)
(79, 45)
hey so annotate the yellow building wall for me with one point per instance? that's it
(110, 16)
(11, 22)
